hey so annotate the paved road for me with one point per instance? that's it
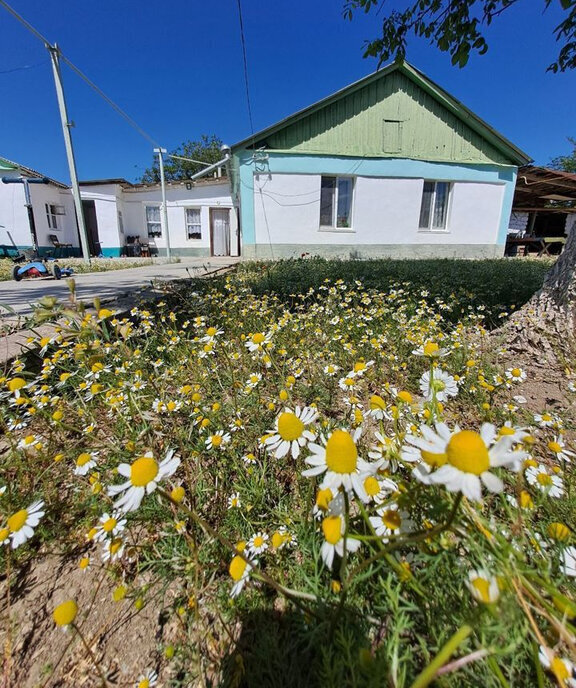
(107, 285)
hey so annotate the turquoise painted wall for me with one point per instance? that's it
(287, 163)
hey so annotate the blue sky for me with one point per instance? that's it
(176, 68)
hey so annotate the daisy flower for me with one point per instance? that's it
(391, 522)
(109, 526)
(463, 458)
(441, 385)
(147, 680)
(21, 524)
(378, 489)
(430, 349)
(257, 342)
(249, 459)
(377, 408)
(30, 442)
(143, 475)
(290, 434)
(85, 463)
(483, 586)
(331, 369)
(568, 563)
(563, 670)
(253, 380)
(239, 571)
(339, 460)
(234, 501)
(515, 375)
(549, 483)
(257, 543)
(113, 550)
(282, 538)
(544, 420)
(218, 440)
(558, 447)
(333, 528)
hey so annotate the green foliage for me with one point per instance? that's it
(205, 150)
(455, 27)
(566, 163)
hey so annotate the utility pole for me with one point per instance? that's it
(161, 152)
(66, 124)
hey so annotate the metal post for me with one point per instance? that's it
(161, 152)
(30, 215)
(53, 50)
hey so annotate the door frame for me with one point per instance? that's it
(211, 222)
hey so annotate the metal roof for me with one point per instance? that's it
(29, 172)
(540, 188)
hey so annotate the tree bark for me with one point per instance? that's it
(544, 329)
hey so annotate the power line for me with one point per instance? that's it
(245, 69)
(92, 85)
(17, 69)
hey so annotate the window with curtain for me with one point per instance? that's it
(336, 202)
(434, 208)
(193, 223)
(153, 223)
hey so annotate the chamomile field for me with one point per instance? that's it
(306, 473)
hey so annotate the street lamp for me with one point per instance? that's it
(160, 152)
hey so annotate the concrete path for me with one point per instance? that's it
(117, 288)
(106, 285)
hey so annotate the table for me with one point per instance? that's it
(539, 244)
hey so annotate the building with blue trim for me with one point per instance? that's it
(391, 165)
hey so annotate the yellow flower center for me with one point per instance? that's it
(431, 348)
(544, 479)
(434, 460)
(83, 459)
(482, 587)
(372, 486)
(360, 365)
(341, 452)
(377, 403)
(178, 494)
(16, 384)
(559, 669)
(65, 613)
(143, 471)
(349, 382)
(392, 519)
(84, 563)
(332, 529)
(404, 396)
(211, 331)
(277, 539)
(109, 525)
(516, 372)
(290, 427)
(526, 500)
(17, 520)
(546, 417)
(555, 447)
(144, 683)
(258, 541)
(323, 498)
(4, 532)
(558, 531)
(505, 430)
(237, 568)
(258, 338)
(468, 453)
(115, 545)
(216, 440)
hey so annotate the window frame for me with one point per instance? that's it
(189, 224)
(332, 227)
(429, 228)
(149, 222)
(52, 215)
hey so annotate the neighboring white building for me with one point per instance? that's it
(52, 205)
(201, 217)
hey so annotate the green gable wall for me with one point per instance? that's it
(391, 117)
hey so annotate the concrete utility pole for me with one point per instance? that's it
(66, 124)
(161, 152)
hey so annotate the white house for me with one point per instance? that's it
(201, 217)
(52, 207)
(391, 165)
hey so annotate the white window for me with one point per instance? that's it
(52, 212)
(336, 202)
(434, 209)
(153, 224)
(193, 223)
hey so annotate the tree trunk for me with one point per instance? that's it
(544, 329)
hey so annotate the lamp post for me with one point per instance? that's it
(161, 152)
(26, 182)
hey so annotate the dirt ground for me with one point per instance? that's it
(125, 641)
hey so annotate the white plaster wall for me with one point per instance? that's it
(14, 215)
(178, 198)
(385, 211)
